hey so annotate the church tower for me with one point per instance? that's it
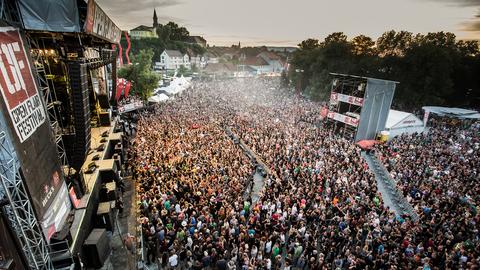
(155, 19)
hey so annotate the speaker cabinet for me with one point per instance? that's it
(108, 193)
(105, 119)
(81, 112)
(105, 218)
(96, 248)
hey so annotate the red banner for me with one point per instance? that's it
(120, 87)
(127, 89)
(18, 86)
(73, 197)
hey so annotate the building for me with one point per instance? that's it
(172, 59)
(199, 61)
(275, 62)
(264, 63)
(212, 58)
(143, 31)
(196, 40)
(220, 70)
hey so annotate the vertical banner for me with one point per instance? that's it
(120, 87)
(18, 86)
(24, 113)
(127, 88)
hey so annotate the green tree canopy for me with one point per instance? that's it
(140, 74)
(433, 69)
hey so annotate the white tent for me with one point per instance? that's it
(399, 122)
(158, 98)
(452, 112)
(177, 85)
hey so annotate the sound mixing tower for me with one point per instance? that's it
(359, 106)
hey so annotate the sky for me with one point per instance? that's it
(287, 23)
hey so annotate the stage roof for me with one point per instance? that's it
(68, 16)
(452, 112)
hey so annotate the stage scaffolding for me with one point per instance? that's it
(20, 211)
(43, 71)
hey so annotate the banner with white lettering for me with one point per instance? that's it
(335, 97)
(18, 86)
(23, 112)
(343, 118)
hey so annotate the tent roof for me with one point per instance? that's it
(396, 118)
(453, 112)
(158, 98)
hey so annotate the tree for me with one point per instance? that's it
(336, 37)
(392, 43)
(309, 44)
(432, 68)
(363, 45)
(141, 75)
(182, 70)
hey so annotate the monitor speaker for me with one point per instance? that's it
(103, 101)
(105, 218)
(105, 119)
(96, 248)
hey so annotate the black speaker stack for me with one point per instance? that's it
(81, 110)
(96, 249)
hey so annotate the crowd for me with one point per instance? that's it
(438, 173)
(318, 209)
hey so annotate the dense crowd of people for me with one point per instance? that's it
(438, 173)
(319, 207)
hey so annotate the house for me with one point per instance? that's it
(264, 63)
(255, 64)
(143, 31)
(196, 40)
(172, 59)
(199, 61)
(212, 58)
(274, 61)
(221, 69)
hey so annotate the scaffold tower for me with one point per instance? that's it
(19, 210)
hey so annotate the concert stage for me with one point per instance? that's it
(102, 159)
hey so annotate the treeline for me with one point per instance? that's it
(170, 36)
(433, 69)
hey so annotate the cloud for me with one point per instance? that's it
(129, 5)
(461, 3)
(472, 26)
(130, 13)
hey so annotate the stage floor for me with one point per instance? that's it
(82, 219)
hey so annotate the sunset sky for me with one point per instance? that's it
(286, 23)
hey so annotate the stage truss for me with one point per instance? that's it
(20, 211)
